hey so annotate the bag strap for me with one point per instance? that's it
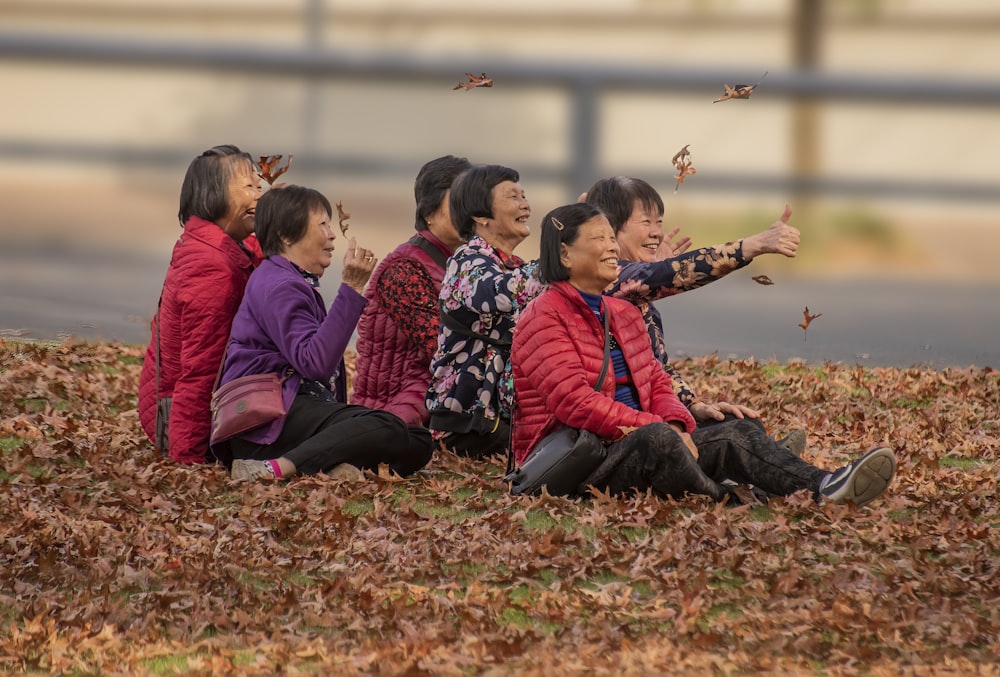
(159, 309)
(459, 328)
(428, 248)
(597, 386)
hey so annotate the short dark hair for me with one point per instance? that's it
(205, 189)
(432, 182)
(616, 197)
(472, 196)
(283, 216)
(561, 226)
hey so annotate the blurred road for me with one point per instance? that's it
(48, 293)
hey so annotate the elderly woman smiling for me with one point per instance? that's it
(485, 287)
(283, 326)
(653, 442)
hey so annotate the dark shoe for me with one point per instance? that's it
(862, 480)
(794, 441)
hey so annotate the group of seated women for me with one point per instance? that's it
(462, 345)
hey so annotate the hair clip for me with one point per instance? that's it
(559, 226)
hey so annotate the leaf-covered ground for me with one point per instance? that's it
(114, 561)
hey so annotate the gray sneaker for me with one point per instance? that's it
(862, 480)
(249, 470)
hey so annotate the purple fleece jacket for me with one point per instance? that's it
(282, 324)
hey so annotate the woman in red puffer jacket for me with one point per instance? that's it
(209, 268)
(651, 439)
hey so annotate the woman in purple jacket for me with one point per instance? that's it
(283, 326)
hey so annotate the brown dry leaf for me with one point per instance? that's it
(342, 217)
(682, 163)
(739, 91)
(475, 81)
(271, 168)
(762, 279)
(807, 320)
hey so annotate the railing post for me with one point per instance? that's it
(585, 139)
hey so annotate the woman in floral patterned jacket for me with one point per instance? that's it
(484, 290)
(650, 271)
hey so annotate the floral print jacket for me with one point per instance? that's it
(642, 283)
(484, 291)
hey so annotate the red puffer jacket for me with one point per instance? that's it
(557, 354)
(392, 371)
(202, 290)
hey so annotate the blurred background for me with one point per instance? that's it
(878, 121)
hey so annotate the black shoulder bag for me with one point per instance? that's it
(565, 457)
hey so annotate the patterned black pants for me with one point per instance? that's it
(654, 457)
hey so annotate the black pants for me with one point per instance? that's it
(319, 435)
(480, 445)
(654, 457)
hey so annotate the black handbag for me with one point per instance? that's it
(564, 458)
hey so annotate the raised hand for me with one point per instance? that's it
(779, 238)
(358, 266)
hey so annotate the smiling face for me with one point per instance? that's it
(592, 259)
(243, 191)
(641, 234)
(509, 224)
(314, 250)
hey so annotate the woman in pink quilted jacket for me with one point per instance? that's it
(209, 268)
(652, 440)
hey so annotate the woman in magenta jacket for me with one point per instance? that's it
(653, 442)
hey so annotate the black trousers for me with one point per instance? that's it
(655, 457)
(480, 445)
(319, 435)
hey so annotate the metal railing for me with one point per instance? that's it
(585, 83)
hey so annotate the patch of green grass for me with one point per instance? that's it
(358, 506)
(704, 621)
(536, 520)
(448, 512)
(173, 664)
(520, 619)
(912, 403)
(634, 534)
(761, 513)
(9, 444)
(726, 580)
(960, 462)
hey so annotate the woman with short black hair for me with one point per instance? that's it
(283, 326)
(485, 287)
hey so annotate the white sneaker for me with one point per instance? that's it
(861, 481)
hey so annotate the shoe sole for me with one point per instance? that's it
(869, 479)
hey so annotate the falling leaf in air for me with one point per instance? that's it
(808, 320)
(739, 91)
(475, 81)
(271, 167)
(682, 163)
(762, 279)
(343, 216)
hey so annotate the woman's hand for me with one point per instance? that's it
(703, 411)
(780, 238)
(668, 249)
(358, 266)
